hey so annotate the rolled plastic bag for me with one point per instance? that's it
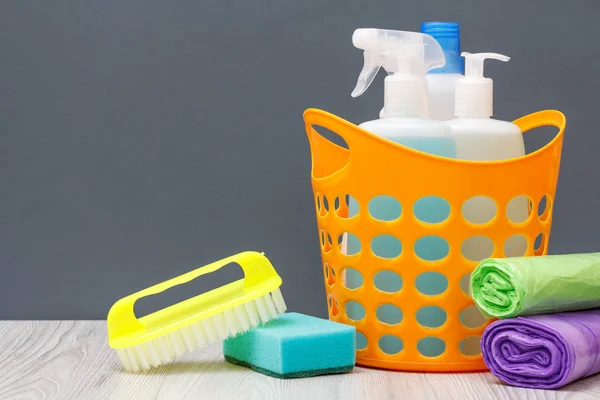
(543, 351)
(509, 287)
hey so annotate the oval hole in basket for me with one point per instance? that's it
(431, 346)
(517, 209)
(346, 206)
(355, 311)
(202, 284)
(385, 208)
(326, 241)
(386, 246)
(330, 275)
(470, 346)
(465, 282)
(432, 248)
(477, 248)
(325, 203)
(388, 281)
(431, 209)
(515, 246)
(544, 207)
(471, 317)
(352, 278)
(361, 341)
(349, 244)
(334, 307)
(479, 209)
(431, 283)
(389, 314)
(539, 244)
(431, 316)
(390, 344)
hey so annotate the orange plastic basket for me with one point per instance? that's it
(371, 167)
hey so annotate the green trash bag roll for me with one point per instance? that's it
(510, 287)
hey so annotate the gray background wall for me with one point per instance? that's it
(139, 139)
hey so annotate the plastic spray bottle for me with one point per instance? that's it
(481, 138)
(406, 56)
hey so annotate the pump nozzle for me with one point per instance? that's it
(474, 92)
(474, 62)
(406, 56)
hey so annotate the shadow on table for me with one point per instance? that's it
(182, 367)
(589, 384)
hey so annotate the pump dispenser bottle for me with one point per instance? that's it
(406, 56)
(481, 138)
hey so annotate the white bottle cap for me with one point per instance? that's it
(403, 95)
(474, 92)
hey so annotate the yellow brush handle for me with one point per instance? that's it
(257, 270)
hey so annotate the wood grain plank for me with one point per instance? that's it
(71, 360)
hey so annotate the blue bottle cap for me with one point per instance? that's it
(448, 36)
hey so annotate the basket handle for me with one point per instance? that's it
(313, 116)
(543, 118)
(256, 267)
(327, 157)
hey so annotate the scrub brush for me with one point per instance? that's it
(224, 312)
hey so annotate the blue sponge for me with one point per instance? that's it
(293, 346)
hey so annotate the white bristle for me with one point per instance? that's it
(262, 309)
(232, 325)
(142, 355)
(134, 364)
(221, 325)
(188, 338)
(279, 302)
(125, 359)
(154, 358)
(199, 334)
(242, 318)
(229, 323)
(211, 331)
(270, 307)
(252, 314)
(177, 343)
(165, 349)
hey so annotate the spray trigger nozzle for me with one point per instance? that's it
(370, 69)
(406, 57)
(403, 52)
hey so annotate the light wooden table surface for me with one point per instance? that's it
(71, 360)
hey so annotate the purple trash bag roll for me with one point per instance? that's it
(543, 351)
